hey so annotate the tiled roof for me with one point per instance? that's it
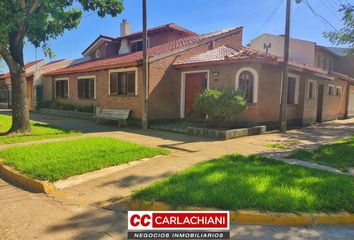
(133, 58)
(228, 53)
(27, 65)
(159, 28)
(53, 62)
(150, 30)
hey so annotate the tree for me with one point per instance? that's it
(220, 104)
(346, 34)
(38, 21)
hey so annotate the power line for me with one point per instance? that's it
(268, 19)
(319, 16)
(333, 12)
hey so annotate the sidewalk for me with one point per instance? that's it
(187, 151)
(37, 216)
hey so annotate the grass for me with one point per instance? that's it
(277, 146)
(60, 160)
(39, 131)
(339, 155)
(238, 182)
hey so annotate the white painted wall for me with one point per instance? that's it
(300, 50)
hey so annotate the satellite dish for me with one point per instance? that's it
(298, 1)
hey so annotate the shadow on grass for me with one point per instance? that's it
(339, 155)
(238, 182)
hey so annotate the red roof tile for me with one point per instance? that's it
(27, 65)
(150, 30)
(53, 62)
(159, 28)
(230, 53)
(133, 59)
(128, 59)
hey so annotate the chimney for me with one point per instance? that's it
(124, 28)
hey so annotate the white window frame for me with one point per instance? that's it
(340, 91)
(314, 94)
(334, 89)
(133, 69)
(255, 81)
(183, 89)
(55, 85)
(94, 85)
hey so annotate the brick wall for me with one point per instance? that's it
(165, 80)
(102, 97)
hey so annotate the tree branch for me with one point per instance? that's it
(7, 57)
(34, 7)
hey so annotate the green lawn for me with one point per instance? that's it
(39, 131)
(339, 155)
(238, 182)
(60, 160)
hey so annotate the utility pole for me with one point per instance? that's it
(144, 121)
(284, 97)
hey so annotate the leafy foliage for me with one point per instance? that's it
(220, 104)
(42, 20)
(346, 34)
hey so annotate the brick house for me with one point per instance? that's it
(181, 64)
(34, 77)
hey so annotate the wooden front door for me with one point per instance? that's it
(194, 85)
(30, 93)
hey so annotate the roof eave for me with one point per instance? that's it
(123, 65)
(193, 45)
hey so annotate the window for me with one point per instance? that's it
(291, 90)
(338, 91)
(311, 90)
(122, 83)
(247, 81)
(325, 63)
(138, 45)
(61, 88)
(246, 85)
(331, 89)
(86, 88)
(330, 67)
(98, 53)
(318, 60)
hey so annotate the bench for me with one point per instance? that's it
(119, 115)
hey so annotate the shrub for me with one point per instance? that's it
(65, 106)
(220, 104)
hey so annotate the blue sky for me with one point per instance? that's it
(201, 16)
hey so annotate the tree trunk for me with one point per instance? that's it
(20, 107)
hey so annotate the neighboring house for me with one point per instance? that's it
(182, 64)
(34, 76)
(307, 52)
(334, 60)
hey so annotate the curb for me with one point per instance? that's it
(24, 182)
(254, 217)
